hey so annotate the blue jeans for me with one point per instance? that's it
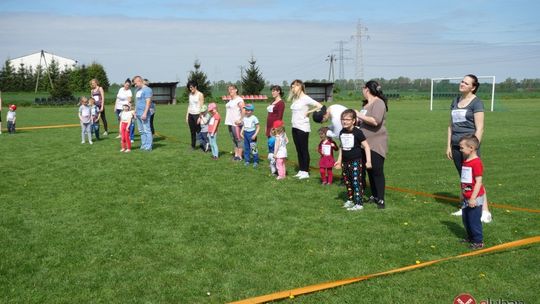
(145, 132)
(213, 145)
(132, 130)
(250, 147)
(95, 129)
(202, 138)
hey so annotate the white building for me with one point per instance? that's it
(44, 59)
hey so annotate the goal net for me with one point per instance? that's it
(445, 89)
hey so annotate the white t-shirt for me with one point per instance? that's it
(122, 98)
(233, 111)
(126, 116)
(194, 108)
(299, 109)
(10, 116)
(250, 123)
(335, 125)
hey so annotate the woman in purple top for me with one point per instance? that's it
(99, 96)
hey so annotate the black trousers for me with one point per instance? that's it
(301, 143)
(375, 174)
(104, 120)
(194, 128)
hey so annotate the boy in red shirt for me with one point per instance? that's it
(472, 190)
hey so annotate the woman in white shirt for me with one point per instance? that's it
(196, 100)
(302, 105)
(122, 98)
(233, 119)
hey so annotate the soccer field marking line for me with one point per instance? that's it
(328, 285)
(397, 189)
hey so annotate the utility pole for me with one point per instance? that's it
(359, 67)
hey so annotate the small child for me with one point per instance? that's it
(249, 132)
(472, 190)
(85, 118)
(11, 118)
(202, 121)
(271, 159)
(96, 114)
(326, 149)
(213, 125)
(350, 159)
(126, 117)
(280, 148)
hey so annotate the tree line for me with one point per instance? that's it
(60, 83)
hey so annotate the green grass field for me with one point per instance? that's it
(88, 224)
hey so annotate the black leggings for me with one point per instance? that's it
(301, 143)
(104, 120)
(375, 174)
(194, 128)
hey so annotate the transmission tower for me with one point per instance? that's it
(341, 58)
(331, 58)
(359, 67)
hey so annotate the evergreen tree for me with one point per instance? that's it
(203, 84)
(7, 77)
(61, 88)
(96, 70)
(252, 81)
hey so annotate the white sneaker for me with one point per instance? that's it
(82, 142)
(356, 208)
(457, 213)
(105, 133)
(90, 142)
(118, 136)
(132, 141)
(486, 217)
(348, 204)
(304, 175)
(122, 150)
(299, 173)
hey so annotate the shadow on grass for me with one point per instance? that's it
(455, 228)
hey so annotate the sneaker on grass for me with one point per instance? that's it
(486, 217)
(457, 213)
(348, 204)
(356, 207)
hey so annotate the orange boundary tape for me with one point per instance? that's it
(452, 199)
(318, 287)
(397, 189)
(48, 127)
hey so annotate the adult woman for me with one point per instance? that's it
(467, 117)
(233, 119)
(275, 109)
(196, 100)
(300, 107)
(373, 119)
(123, 98)
(99, 96)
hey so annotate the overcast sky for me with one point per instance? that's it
(160, 39)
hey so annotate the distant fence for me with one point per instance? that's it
(49, 101)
